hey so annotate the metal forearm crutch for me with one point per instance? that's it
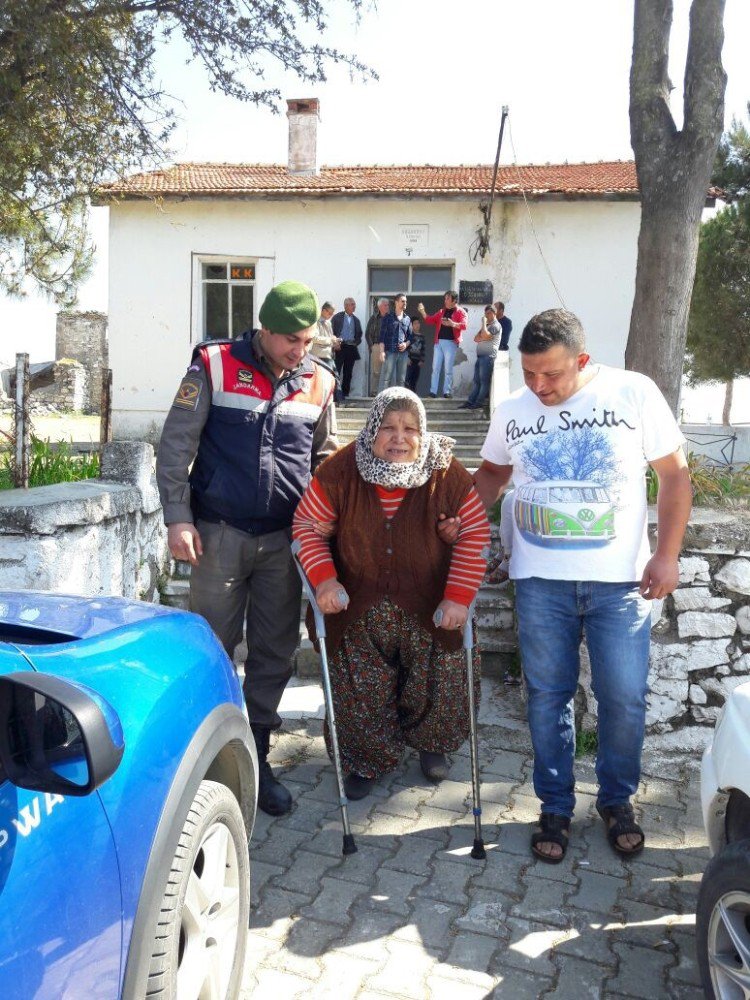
(477, 850)
(349, 847)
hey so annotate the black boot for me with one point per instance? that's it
(273, 798)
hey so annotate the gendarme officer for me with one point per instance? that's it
(254, 417)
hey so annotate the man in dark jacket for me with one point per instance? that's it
(254, 417)
(348, 329)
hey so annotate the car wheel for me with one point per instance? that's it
(201, 935)
(723, 924)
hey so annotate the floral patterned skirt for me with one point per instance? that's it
(394, 687)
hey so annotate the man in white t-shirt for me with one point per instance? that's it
(577, 441)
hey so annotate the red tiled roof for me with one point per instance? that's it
(615, 179)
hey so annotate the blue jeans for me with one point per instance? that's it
(445, 353)
(553, 615)
(482, 378)
(393, 371)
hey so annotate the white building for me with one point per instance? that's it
(195, 248)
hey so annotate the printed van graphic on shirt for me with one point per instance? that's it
(570, 501)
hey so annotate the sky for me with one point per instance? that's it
(445, 71)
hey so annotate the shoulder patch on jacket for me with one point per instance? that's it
(188, 394)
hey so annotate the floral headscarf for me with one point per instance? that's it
(435, 450)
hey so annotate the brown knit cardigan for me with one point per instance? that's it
(403, 558)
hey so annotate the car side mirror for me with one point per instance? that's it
(56, 736)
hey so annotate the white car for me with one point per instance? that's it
(723, 917)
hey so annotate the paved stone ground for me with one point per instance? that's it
(412, 915)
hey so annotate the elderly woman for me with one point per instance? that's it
(398, 680)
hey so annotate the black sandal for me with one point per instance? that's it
(553, 830)
(624, 823)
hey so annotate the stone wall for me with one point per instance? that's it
(69, 391)
(95, 537)
(700, 638)
(82, 337)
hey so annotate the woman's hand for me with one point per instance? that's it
(452, 616)
(331, 596)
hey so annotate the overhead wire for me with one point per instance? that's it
(531, 220)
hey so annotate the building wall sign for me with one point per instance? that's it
(414, 239)
(475, 293)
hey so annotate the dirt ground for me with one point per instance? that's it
(64, 427)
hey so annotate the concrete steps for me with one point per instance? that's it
(468, 427)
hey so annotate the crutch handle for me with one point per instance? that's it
(469, 628)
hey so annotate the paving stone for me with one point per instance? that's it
(430, 924)
(471, 952)
(383, 822)
(642, 972)
(529, 948)
(342, 978)
(436, 823)
(440, 988)
(333, 901)
(452, 795)
(305, 872)
(272, 984)
(260, 874)
(686, 972)
(413, 915)
(512, 765)
(307, 815)
(406, 971)
(368, 931)
(487, 914)
(278, 849)
(540, 904)
(394, 891)
(597, 892)
(461, 841)
(306, 942)
(414, 855)
(406, 801)
(448, 881)
(579, 980)
(275, 915)
(587, 940)
(514, 838)
(518, 985)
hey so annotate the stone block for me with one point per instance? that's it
(694, 568)
(697, 695)
(128, 462)
(735, 575)
(706, 625)
(721, 689)
(705, 714)
(742, 664)
(697, 599)
(743, 619)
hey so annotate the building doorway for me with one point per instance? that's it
(425, 283)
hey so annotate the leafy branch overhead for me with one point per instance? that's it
(80, 104)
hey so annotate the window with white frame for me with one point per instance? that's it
(226, 289)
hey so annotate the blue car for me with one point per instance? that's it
(128, 779)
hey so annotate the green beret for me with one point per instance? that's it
(289, 308)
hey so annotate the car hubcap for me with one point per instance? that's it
(729, 946)
(210, 919)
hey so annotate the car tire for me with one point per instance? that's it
(201, 934)
(723, 923)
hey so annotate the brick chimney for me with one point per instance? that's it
(303, 115)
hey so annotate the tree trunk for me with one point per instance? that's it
(728, 397)
(674, 169)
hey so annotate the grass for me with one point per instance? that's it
(48, 465)
(712, 485)
(586, 743)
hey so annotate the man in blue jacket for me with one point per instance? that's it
(254, 417)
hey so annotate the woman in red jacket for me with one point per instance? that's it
(449, 323)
